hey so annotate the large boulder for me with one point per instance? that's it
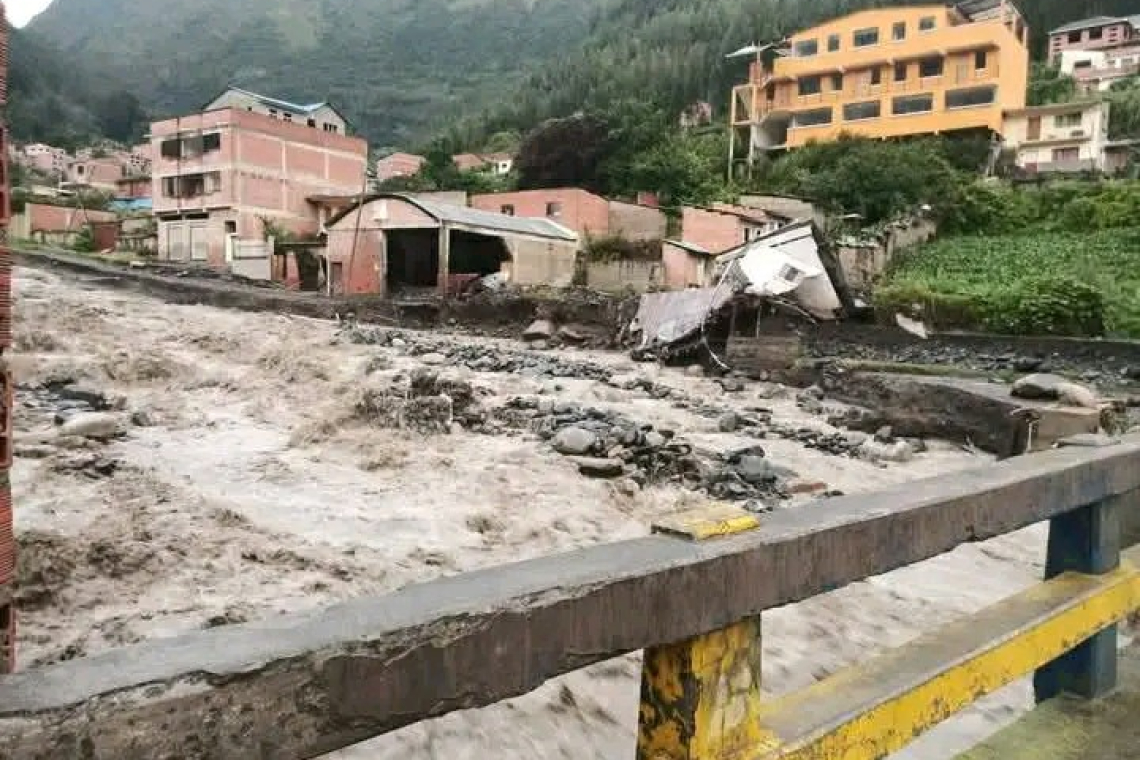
(574, 441)
(1039, 387)
(96, 425)
(540, 329)
(599, 468)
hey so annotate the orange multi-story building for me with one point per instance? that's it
(888, 72)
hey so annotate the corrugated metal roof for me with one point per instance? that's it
(279, 103)
(470, 217)
(1097, 21)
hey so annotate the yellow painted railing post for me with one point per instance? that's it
(700, 699)
(1086, 540)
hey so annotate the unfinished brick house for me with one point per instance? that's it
(591, 216)
(220, 174)
(721, 227)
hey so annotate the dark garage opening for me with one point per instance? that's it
(413, 260)
(475, 254)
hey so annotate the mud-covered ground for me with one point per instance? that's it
(182, 467)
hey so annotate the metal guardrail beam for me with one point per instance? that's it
(300, 686)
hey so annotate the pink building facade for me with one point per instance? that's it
(217, 175)
(399, 165)
(722, 227)
(1097, 33)
(97, 173)
(591, 216)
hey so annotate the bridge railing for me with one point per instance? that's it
(690, 595)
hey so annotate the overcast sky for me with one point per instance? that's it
(20, 12)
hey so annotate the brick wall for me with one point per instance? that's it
(582, 211)
(681, 268)
(635, 222)
(711, 230)
(622, 275)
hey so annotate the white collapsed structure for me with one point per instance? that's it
(792, 267)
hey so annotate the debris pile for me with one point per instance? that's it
(424, 401)
(605, 444)
(477, 357)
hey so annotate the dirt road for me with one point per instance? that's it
(247, 472)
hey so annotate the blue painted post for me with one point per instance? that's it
(1086, 540)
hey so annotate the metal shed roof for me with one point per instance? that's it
(1097, 21)
(472, 218)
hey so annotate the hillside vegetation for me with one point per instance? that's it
(53, 101)
(394, 67)
(403, 69)
(1063, 259)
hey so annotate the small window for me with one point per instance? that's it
(788, 273)
(806, 48)
(930, 67)
(812, 118)
(810, 85)
(212, 141)
(554, 209)
(865, 37)
(312, 122)
(859, 111)
(1067, 120)
(1075, 36)
(231, 227)
(288, 117)
(331, 128)
(171, 149)
(980, 60)
(900, 72)
(1096, 33)
(832, 43)
(876, 76)
(79, 169)
(508, 209)
(912, 104)
(273, 112)
(898, 31)
(1066, 154)
(971, 97)
(926, 23)
(837, 82)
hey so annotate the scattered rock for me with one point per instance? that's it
(695, 370)
(398, 343)
(1073, 394)
(433, 359)
(540, 329)
(599, 468)
(1040, 387)
(1028, 363)
(799, 487)
(728, 422)
(885, 435)
(96, 425)
(731, 384)
(574, 441)
(754, 470)
(573, 334)
(877, 451)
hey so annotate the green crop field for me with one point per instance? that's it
(1033, 282)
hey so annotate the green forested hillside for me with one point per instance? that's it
(53, 99)
(404, 69)
(673, 52)
(395, 67)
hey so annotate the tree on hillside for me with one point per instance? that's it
(564, 152)
(1124, 109)
(873, 178)
(1048, 85)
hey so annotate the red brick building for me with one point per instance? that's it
(591, 216)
